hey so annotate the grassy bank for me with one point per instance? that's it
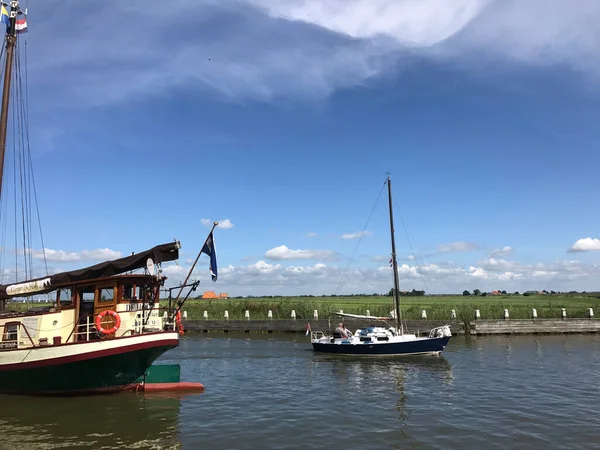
(437, 307)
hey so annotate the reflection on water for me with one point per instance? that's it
(113, 421)
(519, 392)
(364, 372)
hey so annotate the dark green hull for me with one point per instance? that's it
(94, 372)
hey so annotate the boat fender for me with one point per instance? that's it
(179, 323)
(98, 322)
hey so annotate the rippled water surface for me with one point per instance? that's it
(273, 392)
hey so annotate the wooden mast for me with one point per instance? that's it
(394, 263)
(11, 40)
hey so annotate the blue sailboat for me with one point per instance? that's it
(384, 339)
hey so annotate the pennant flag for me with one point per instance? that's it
(4, 15)
(21, 26)
(209, 249)
(308, 329)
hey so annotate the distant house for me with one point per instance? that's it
(209, 295)
(495, 293)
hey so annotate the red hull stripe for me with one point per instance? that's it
(90, 355)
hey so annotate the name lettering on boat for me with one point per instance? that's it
(137, 306)
(8, 345)
(28, 287)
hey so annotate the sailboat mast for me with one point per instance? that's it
(394, 263)
(11, 39)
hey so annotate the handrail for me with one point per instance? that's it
(19, 325)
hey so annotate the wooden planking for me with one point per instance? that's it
(422, 327)
(414, 326)
(537, 326)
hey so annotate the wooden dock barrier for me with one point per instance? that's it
(534, 326)
(420, 327)
(296, 326)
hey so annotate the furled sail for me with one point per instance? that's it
(160, 253)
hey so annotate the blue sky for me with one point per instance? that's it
(282, 117)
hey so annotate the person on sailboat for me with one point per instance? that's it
(343, 331)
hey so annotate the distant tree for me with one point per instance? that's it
(503, 292)
(552, 292)
(465, 293)
(484, 294)
(476, 292)
(517, 293)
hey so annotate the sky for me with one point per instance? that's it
(280, 119)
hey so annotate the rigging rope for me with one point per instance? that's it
(409, 241)
(362, 235)
(24, 195)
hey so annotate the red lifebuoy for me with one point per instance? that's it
(98, 322)
(179, 322)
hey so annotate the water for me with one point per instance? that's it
(274, 392)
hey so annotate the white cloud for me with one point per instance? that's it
(504, 251)
(312, 234)
(356, 235)
(264, 278)
(267, 49)
(100, 254)
(532, 32)
(224, 224)
(284, 253)
(457, 247)
(585, 245)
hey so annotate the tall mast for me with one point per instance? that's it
(394, 263)
(11, 39)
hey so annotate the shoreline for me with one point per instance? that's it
(420, 327)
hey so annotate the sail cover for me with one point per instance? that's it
(160, 253)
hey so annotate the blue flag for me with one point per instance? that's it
(209, 249)
(4, 16)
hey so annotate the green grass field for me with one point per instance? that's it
(437, 307)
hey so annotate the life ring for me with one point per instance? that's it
(98, 322)
(179, 323)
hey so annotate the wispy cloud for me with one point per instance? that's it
(284, 253)
(504, 251)
(100, 254)
(585, 245)
(224, 224)
(264, 49)
(312, 234)
(457, 247)
(356, 235)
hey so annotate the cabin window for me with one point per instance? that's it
(10, 332)
(107, 294)
(130, 292)
(86, 295)
(64, 297)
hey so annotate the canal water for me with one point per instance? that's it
(273, 392)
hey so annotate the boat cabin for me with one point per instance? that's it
(102, 308)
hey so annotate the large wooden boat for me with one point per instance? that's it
(105, 326)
